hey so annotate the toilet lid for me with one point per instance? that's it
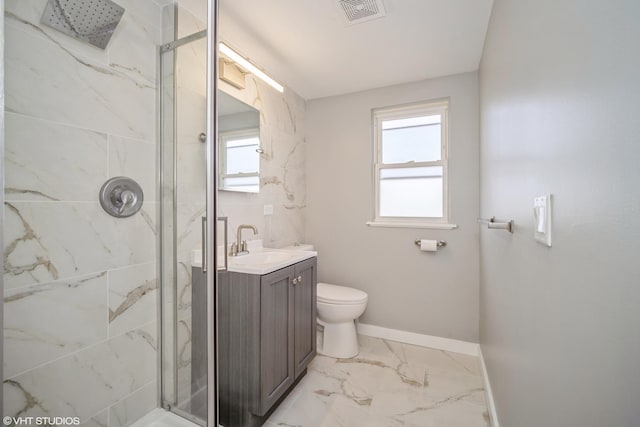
(333, 294)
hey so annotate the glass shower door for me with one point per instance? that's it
(184, 219)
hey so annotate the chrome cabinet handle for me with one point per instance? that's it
(299, 279)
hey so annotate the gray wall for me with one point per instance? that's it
(427, 293)
(560, 97)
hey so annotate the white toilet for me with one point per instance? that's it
(338, 308)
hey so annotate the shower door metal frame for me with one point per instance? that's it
(212, 213)
(2, 198)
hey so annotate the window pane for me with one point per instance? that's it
(415, 142)
(411, 192)
(250, 184)
(242, 156)
(412, 121)
(411, 139)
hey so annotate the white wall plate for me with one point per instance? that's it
(542, 219)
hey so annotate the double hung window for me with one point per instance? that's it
(410, 170)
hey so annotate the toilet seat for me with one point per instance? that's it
(339, 295)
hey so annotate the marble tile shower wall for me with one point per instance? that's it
(80, 298)
(282, 173)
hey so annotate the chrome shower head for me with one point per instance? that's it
(92, 21)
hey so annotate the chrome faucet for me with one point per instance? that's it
(240, 246)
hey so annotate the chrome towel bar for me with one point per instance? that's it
(493, 224)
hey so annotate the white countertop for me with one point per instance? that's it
(260, 260)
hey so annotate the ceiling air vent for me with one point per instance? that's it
(357, 11)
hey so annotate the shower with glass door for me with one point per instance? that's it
(108, 187)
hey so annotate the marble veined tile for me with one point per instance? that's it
(102, 375)
(99, 420)
(46, 80)
(345, 413)
(184, 289)
(190, 115)
(437, 360)
(308, 410)
(134, 406)
(192, 16)
(388, 385)
(134, 159)
(184, 362)
(189, 230)
(46, 321)
(280, 110)
(191, 171)
(49, 161)
(448, 414)
(25, 16)
(463, 386)
(191, 68)
(133, 46)
(47, 241)
(132, 297)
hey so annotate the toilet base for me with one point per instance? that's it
(339, 340)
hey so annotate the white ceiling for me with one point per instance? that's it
(307, 45)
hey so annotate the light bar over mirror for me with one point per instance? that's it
(248, 66)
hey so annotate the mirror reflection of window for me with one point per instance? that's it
(238, 145)
(240, 160)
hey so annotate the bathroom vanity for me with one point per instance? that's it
(266, 331)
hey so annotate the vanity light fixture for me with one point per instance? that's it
(244, 63)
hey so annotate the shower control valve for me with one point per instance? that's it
(121, 197)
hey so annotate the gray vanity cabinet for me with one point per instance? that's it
(266, 339)
(276, 337)
(304, 324)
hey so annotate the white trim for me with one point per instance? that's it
(437, 107)
(493, 415)
(447, 344)
(434, 226)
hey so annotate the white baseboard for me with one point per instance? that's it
(493, 415)
(439, 343)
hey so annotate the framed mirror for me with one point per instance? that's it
(239, 145)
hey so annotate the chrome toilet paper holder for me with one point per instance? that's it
(440, 244)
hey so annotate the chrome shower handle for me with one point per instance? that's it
(126, 199)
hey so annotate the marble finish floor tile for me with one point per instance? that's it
(388, 384)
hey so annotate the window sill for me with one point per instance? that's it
(433, 225)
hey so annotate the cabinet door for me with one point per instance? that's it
(305, 328)
(276, 337)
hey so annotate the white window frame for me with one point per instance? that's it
(223, 137)
(438, 107)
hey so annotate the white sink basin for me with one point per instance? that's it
(260, 258)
